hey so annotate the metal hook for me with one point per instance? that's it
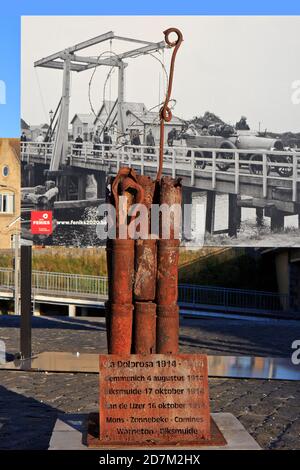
(165, 112)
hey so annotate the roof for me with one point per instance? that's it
(151, 117)
(138, 110)
(14, 144)
(84, 118)
(127, 106)
(39, 126)
(24, 124)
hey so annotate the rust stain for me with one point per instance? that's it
(146, 267)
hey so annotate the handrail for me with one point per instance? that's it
(195, 162)
(190, 295)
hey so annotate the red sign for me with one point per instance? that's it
(41, 222)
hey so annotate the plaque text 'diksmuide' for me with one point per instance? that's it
(157, 399)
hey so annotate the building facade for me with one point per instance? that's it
(136, 119)
(10, 189)
(83, 126)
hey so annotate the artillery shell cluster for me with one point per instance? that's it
(142, 312)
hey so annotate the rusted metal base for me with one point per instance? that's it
(93, 440)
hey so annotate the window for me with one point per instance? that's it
(7, 203)
(5, 170)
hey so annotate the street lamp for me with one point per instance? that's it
(51, 119)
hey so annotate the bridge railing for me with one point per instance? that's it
(193, 296)
(43, 150)
(6, 278)
(260, 166)
(53, 283)
(227, 298)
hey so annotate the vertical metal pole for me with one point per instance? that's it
(210, 211)
(237, 172)
(233, 215)
(26, 271)
(16, 274)
(121, 97)
(265, 176)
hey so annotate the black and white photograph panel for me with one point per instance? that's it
(91, 100)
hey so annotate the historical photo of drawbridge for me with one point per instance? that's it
(90, 105)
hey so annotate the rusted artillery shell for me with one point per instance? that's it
(167, 272)
(120, 337)
(171, 194)
(149, 188)
(170, 190)
(167, 329)
(144, 328)
(122, 271)
(145, 270)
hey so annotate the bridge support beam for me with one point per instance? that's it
(187, 201)
(282, 264)
(61, 142)
(210, 211)
(30, 175)
(82, 179)
(37, 310)
(294, 286)
(101, 184)
(234, 215)
(259, 216)
(72, 310)
(277, 220)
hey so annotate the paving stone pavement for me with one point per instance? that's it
(30, 401)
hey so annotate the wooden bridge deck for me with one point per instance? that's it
(267, 187)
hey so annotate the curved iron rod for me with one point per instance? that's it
(165, 112)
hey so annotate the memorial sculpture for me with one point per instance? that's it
(142, 311)
(149, 393)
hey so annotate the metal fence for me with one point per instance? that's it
(232, 299)
(191, 296)
(53, 283)
(6, 278)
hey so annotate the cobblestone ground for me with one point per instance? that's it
(30, 401)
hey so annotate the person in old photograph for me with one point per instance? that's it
(171, 136)
(150, 142)
(242, 124)
(204, 130)
(96, 144)
(135, 140)
(78, 145)
(107, 140)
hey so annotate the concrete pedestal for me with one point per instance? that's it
(70, 432)
(72, 310)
